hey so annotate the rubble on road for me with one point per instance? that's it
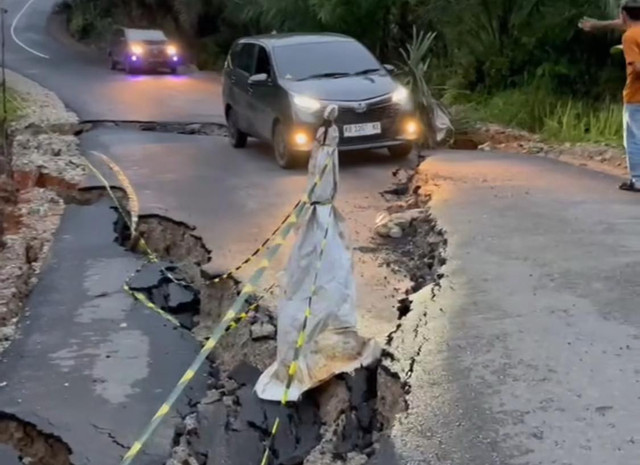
(491, 137)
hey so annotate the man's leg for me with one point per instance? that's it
(631, 121)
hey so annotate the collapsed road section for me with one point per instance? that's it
(109, 360)
(340, 421)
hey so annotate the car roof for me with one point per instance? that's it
(277, 40)
(144, 34)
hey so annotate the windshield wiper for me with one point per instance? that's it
(367, 71)
(325, 75)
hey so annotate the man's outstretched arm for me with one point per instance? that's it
(594, 25)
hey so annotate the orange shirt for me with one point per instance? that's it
(631, 47)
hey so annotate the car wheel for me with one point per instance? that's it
(284, 155)
(130, 69)
(237, 138)
(114, 65)
(401, 151)
(173, 70)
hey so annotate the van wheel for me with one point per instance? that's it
(173, 70)
(401, 152)
(237, 138)
(114, 65)
(285, 157)
(281, 148)
(130, 69)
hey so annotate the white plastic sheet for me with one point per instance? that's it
(332, 344)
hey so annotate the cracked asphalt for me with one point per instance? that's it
(86, 367)
(528, 355)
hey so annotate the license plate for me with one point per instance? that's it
(364, 129)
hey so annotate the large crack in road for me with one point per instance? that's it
(340, 421)
(343, 420)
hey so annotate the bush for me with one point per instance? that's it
(557, 118)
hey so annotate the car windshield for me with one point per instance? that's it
(324, 60)
(146, 35)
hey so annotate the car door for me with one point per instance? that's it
(263, 95)
(120, 46)
(242, 69)
(114, 44)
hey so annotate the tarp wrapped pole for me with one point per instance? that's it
(320, 272)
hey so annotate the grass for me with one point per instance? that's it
(555, 119)
(13, 109)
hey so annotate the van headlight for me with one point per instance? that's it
(137, 49)
(307, 103)
(400, 95)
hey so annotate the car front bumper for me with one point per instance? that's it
(397, 126)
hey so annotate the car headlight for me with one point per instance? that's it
(137, 49)
(172, 50)
(307, 103)
(400, 95)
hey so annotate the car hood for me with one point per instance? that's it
(351, 88)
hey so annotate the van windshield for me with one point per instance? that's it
(329, 59)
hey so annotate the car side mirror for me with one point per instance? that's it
(258, 79)
(390, 69)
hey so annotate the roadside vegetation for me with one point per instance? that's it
(520, 63)
(12, 108)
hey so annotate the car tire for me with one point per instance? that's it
(130, 69)
(173, 70)
(402, 151)
(237, 138)
(286, 158)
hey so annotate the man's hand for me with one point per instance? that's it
(588, 24)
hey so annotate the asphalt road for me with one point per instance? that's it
(116, 368)
(528, 355)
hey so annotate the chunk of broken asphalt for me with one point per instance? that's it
(244, 374)
(243, 426)
(179, 298)
(212, 397)
(149, 276)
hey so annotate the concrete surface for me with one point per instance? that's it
(90, 365)
(530, 353)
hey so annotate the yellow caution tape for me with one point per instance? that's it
(224, 325)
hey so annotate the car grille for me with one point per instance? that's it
(157, 52)
(386, 113)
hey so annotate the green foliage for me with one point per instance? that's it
(525, 61)
(413, 71)
(556, 118)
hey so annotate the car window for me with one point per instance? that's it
(300, 61)
(263, 62)
(244, 58)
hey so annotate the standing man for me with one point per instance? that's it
(629, 22)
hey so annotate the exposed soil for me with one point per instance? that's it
(195, 129)
(33, 446)
(600, 157)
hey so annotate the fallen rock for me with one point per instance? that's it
(395, 224)
(262, 330)
(192, 129)
(212, 397)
